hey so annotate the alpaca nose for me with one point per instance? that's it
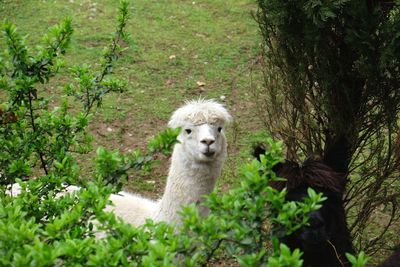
(208, 141)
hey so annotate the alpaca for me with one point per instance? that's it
(196, 164)
(326, 239)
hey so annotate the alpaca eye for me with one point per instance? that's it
(219, 129)
(188, 131)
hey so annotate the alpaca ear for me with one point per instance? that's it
(175, 123)
(277, 167)
(258, 150)
(224, 114)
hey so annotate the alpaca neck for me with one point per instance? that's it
(187, 183)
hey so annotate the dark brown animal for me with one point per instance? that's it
(327, 238)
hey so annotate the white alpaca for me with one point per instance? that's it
(195, 165)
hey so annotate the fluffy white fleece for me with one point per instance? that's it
(191, 174)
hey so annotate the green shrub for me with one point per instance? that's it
(41, 228)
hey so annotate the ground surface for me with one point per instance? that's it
(180, 50)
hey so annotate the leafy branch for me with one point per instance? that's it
(33, 134)
(92, 86)
(112, 167)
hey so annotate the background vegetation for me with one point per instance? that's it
(332, 92)
(178, 50)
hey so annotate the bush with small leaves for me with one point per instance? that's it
(41, 227)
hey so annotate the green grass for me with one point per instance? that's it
(174, 45)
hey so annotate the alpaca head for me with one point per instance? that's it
(202, 137)
(327, 232)
(322, 223)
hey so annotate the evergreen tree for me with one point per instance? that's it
(332, 76)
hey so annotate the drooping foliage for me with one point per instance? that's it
(332, 74)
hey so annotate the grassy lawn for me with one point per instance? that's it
(175, 46)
